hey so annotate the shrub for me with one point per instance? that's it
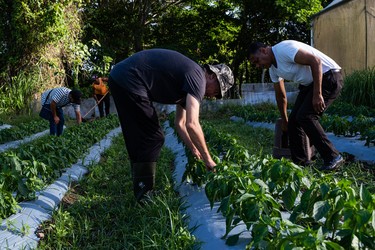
(359, 88)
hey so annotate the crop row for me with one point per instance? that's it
(339, 125)
(29, 168)
(351, 126)
(20, 131)
(282, 205)
(348, 109)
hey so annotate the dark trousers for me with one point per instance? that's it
(104, 102)
(57, 129)
(140, 126)
(303, 120)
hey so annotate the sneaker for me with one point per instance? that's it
(334, 164)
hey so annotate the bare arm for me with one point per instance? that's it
(78, 117)
(195, 131)
(180, 124)
(306, 58)
(282, 103)
(54, 112)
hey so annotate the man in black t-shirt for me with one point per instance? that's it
(168, 77)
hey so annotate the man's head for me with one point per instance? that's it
(261, 55)
(75, 96)
(223, 76)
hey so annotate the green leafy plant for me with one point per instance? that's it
(359, 88)
(8, 204)
(17, 132)
(369, 135)
(17, 94)
(33, 165)
(324, 213)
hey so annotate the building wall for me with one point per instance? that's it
(346, 33)
(370, 21)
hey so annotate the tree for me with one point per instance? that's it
(221, 30)
(270, 21)
(207, 31)
(123, 27)
(37, 39)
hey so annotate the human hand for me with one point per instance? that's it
(196, 154)
(210, 167)
(318, 104)
(56, 119)
(284, 125)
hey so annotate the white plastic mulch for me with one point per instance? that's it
(5, 126)
(15, 144)
(17, 231)
(210, 224)
(351, 145)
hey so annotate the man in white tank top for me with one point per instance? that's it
(320, 82)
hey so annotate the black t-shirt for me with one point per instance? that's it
(164, 76)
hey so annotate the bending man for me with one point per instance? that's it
(168, 77)
(54, 100)
(320, 82)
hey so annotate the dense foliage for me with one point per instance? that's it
(49, 43)
(359, 88)
(40, 46)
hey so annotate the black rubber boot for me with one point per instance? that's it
(143, 178)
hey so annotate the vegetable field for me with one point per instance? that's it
(282, 205)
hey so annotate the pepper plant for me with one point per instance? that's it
(282, 205)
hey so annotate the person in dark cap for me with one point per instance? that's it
(54, 100)
(167, 77)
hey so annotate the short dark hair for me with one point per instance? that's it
(207, 68)
(254, 47)
(76, 95)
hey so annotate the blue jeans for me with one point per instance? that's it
(57, 129)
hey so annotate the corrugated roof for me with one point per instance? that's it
(334, 2)
(330, 6)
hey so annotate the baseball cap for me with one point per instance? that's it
(224, 75)
(76, 95)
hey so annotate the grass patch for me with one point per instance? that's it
(359, 88)
(102, 210)
(18, 119)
